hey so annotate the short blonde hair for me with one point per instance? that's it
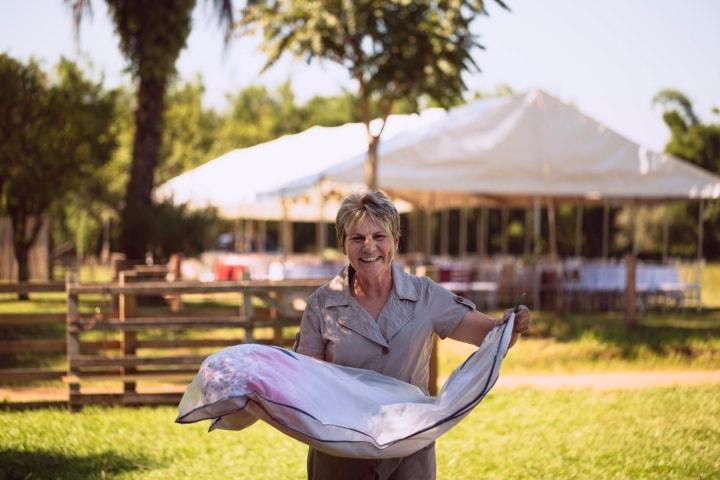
(374, 205)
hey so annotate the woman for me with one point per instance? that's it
(375, 316)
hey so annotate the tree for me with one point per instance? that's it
(152, 34)
(54, 138)
(698, 143)
(393, 49)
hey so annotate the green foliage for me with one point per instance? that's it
(177, 229)
(190, 131)
(55, 137)
(653, 433)
(396, 49)
(698, 143)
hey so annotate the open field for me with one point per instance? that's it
(517, 433)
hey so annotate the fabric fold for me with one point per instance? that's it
(339, 410)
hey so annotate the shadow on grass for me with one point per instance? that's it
(687, 335)
(16, 464)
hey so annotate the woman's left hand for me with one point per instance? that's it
(522, 322)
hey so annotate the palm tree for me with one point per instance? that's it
(152, 34)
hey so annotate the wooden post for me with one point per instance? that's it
(630, 291)
(504, 239)
(118, 263)
(72, 341)
(463, 233)
(277, 331)
(175, 275)
(248, 312)
(444, 232)
(128, 309)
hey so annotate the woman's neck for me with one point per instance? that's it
(371, 288)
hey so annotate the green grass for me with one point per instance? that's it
(525, 433)
(600, 343)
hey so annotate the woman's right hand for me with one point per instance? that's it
(522, 322)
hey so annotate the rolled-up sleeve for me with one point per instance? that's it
(445, 309)
(310, 340)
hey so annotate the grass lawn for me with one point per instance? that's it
(524, 433)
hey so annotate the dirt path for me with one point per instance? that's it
(612, 380)
(594, 381)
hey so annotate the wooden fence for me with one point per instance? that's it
(156, 346)
(35, 348)
(121, 350)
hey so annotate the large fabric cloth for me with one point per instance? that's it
(342, 411)
(336, 328)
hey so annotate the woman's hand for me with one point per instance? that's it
(522, 322)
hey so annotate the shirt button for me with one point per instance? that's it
(385, 350)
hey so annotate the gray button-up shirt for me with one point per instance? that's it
(336, 328)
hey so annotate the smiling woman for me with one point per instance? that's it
(377, 317)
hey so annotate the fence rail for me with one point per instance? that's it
(136, 359)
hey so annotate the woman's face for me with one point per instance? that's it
(370, 248)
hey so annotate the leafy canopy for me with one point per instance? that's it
(399, 48)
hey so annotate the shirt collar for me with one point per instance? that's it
(339, 287)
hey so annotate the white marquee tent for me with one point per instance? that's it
(233, 181)
(513, 149)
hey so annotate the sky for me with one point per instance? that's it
(607, 58)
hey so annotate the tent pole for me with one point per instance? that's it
(578, 230)
(247, 243)
(320, 236)
(286, 233)
(605, 229)
(633, 228)
(427, 244)
(552, 229)
(237, 239)
(700, 231)
(536, 226)
(665, 234)
(527, 237)
(505, 218)
(483, 233)
(444, 232)
(320, 233)
(418, 230)
(463, 233)
(262, 235)
(631, 270)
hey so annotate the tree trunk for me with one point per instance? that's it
(371, 178)
(22, 241)
(21, 256)
(135, 217)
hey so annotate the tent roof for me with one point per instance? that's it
(233, 181)
(512, 149)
